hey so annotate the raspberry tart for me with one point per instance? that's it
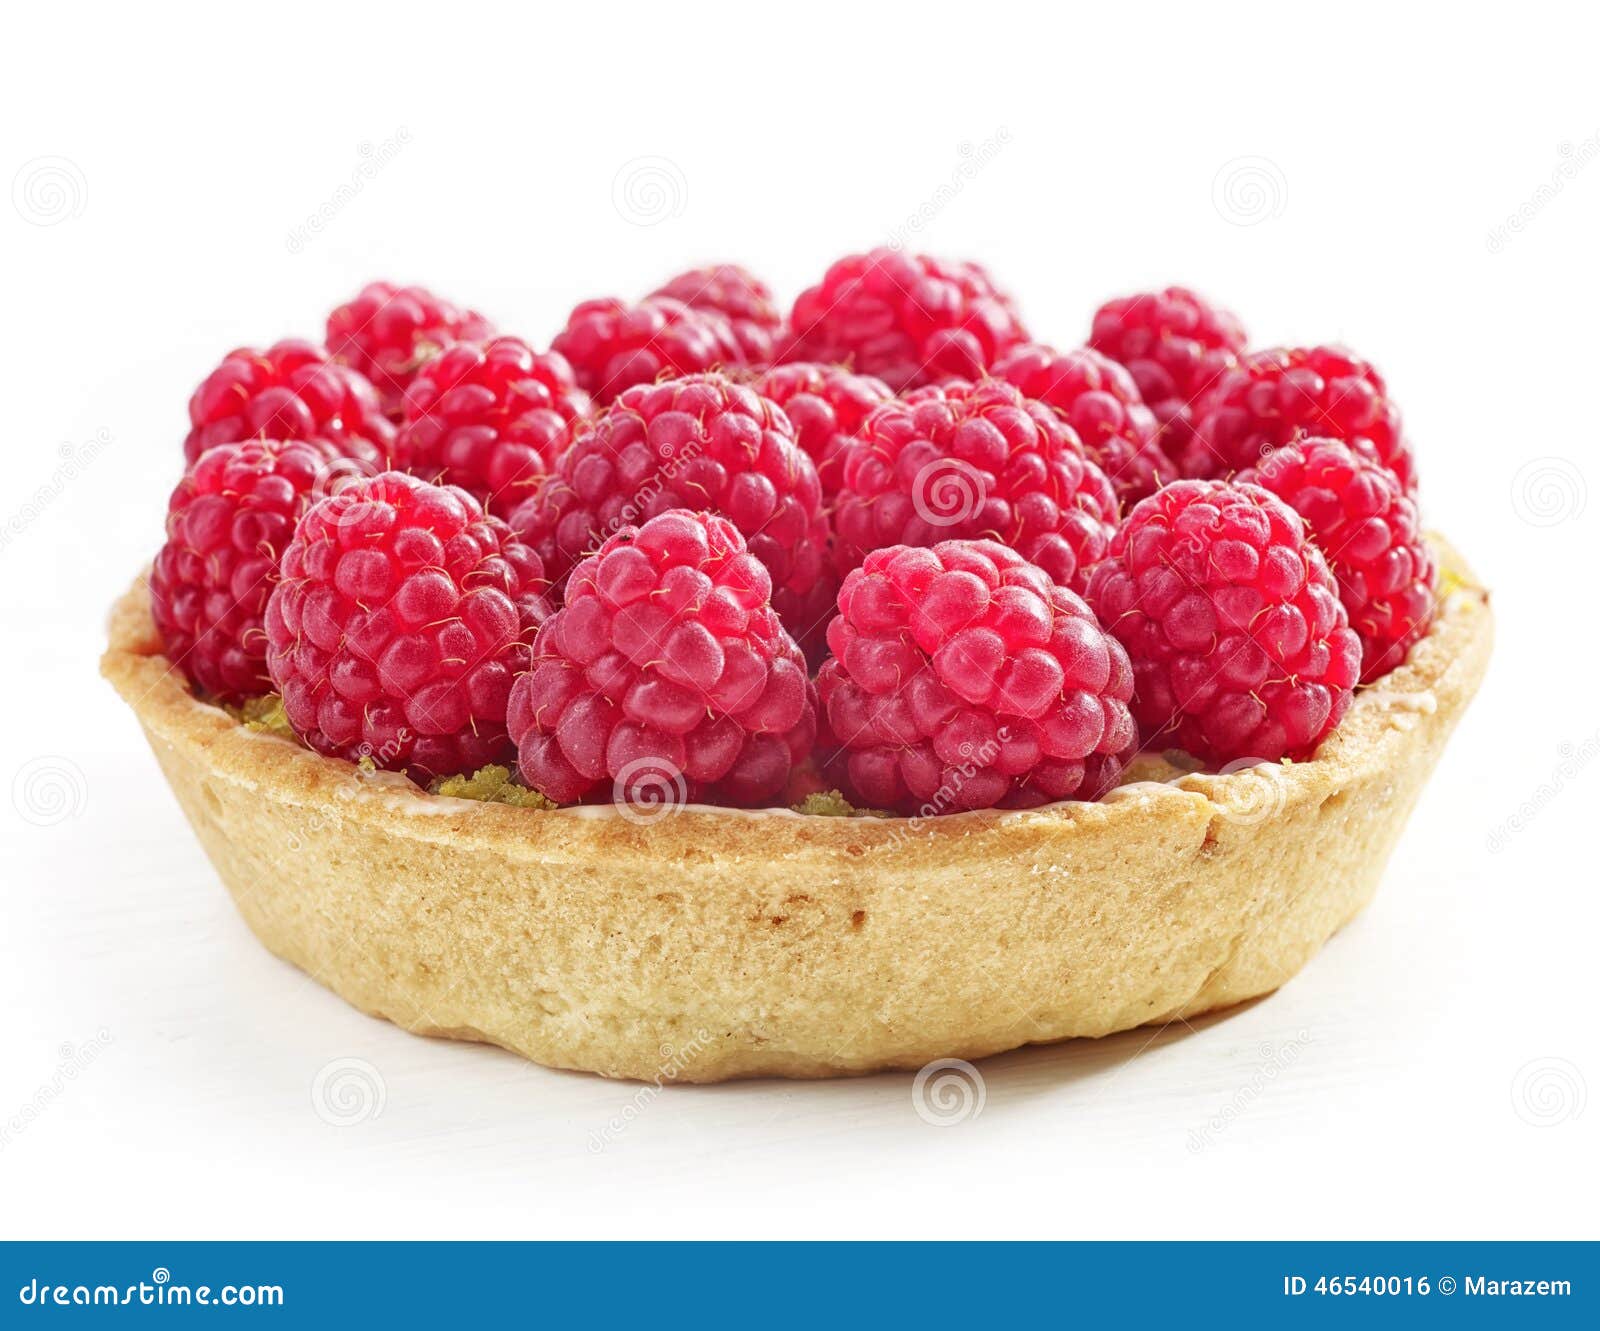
(1060, 767)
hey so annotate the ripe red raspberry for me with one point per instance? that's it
(230, 518)
(699, 442)
(401, 617)
(1240, 647)
(292, 390)
(389, 333)
(974, 461)
(1273, 397)
(1367, 528)
(962, 677)
(491, 417)
(1176, 345)
(1100, 401)
(827, 406)
(741, 297)
(666, 677)
(905, 318)
(613, 345)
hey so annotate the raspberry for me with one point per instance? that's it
(975, 460)
(699, 442)
(666, 675)
(1240, 647)
(1273, 397)
(389, 333)
(1367, 528)
(401, 617)
(292, 390)
(230, 518)
(741, 297)
(1176, 345)
(613, 345)
(491, 417)
(962, 677)
(827, 406)
(1100, 401)
(905, 318)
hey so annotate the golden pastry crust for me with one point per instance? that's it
(705, 944)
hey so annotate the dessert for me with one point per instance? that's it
(567, 784)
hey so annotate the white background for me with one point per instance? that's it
(1330, 174)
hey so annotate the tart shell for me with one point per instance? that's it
(697, 944)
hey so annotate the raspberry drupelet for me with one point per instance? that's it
(977, 460)
(292, 390)
(827, 405)
(905, 318)
(700, 442)
(665, 677)
(1240, 647)
(389, 332)
(613, 345)
(963, 677)
(1368, 530)
(1273, 397)
(402, 615)
(229, 521)
(1176, 345)
(1100, 401)
(740, 297)
(492, 417)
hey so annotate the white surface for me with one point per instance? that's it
(1392, 146)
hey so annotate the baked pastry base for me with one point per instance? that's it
(706, 944)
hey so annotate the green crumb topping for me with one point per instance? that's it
(831, 804)
(493, 785)
(264, 714)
